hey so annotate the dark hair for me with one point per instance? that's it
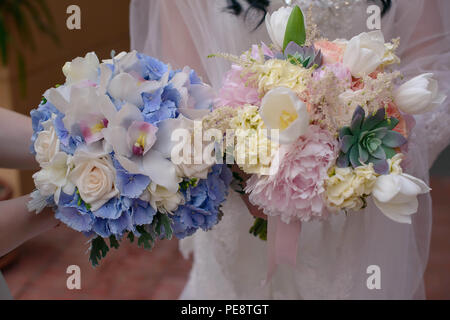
(261, 6)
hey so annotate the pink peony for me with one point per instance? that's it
(295, 191)
(236, 92)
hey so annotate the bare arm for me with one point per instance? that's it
(15, 135)
(18, 225)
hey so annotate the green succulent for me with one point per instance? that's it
(369, 140)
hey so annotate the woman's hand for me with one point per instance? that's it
(15, 140)
(254, 210)
(18, 225)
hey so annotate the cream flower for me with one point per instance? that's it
(346, 187)
(94, 176)
(82, 69)
(253, 151)
(46, 144)
(53, 178)
(281, 73)
(162, 199)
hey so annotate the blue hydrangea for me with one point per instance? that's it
(161, 104)
(153, 69)
(203, 201)
(130, 185)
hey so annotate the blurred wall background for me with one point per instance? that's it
(104, 27)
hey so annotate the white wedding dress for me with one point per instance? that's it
(333, 256)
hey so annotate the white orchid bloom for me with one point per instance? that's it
(133, 141)
(281, 109)
(419, 95)
(364, 53)
(396, 195)
(129, 88)
(276, 25)
(85, 112)
(81, 69)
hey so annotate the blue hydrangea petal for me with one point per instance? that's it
(75, 220)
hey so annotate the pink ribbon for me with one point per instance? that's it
(282, 243)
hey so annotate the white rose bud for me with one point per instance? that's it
(46, 144)
(419, 95)
(276, 25)
(364, 53)
(396, 195)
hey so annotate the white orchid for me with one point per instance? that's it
(133, 140)
(82, 69)
(396, 195)
(419, 95)
(276, 25)
(364, 53)
(281, 109)
(85, 112)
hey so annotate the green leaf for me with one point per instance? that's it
(295, 28)
(166, 224)
(389, 152)
(130, 236)
(113, 243)
(99, 249)
(145, 240)
(259, 228)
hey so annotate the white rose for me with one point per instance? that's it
(53, 178)
(276, 25)
(162, 199)
(46, 144)
(364, 53)
(419, 95)
(82, 69)
(396, 195)
(94, 175)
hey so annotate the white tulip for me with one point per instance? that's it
(419, 95)
(276, 25)
(281, 109)
(364, 53)
(396, 195)
(82, 69)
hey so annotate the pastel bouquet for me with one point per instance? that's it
(327, 127)
(104, 143)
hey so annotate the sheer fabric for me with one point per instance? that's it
(333, 256)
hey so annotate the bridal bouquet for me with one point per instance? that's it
(104, 140)
(326, 124)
